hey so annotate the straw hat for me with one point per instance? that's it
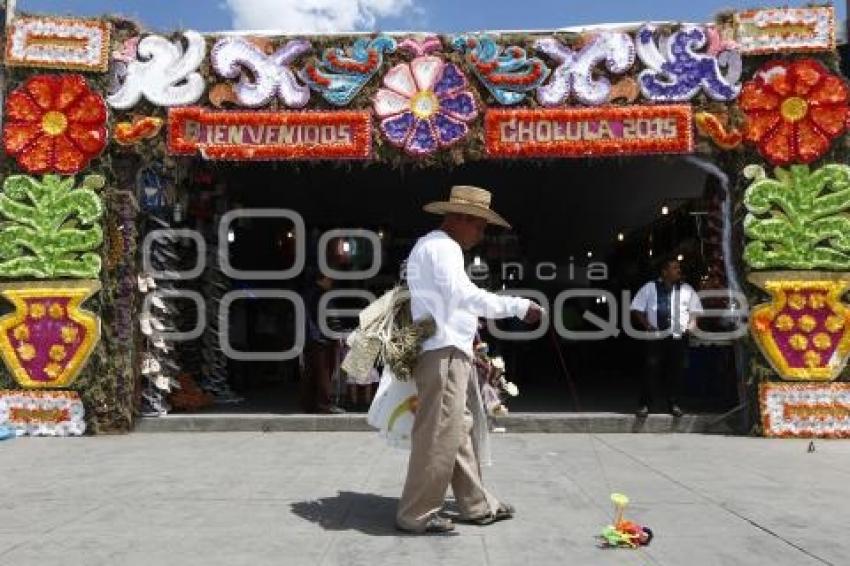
(465, 199)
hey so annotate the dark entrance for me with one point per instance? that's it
(601, 223)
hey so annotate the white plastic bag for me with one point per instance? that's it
(392, 409)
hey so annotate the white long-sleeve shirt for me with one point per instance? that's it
(440, 287)
(684, 305)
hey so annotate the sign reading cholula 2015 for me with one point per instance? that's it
(576, 132)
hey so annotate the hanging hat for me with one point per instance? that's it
(465, 199)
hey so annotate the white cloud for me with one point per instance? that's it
(305, 16)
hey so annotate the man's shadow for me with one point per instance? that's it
(365, 512)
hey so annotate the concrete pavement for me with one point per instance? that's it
(593, 423)
(329, 498)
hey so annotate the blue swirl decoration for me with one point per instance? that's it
(679, 73)
(338, 77)
(509, 74)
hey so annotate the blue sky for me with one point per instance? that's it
(425, 15)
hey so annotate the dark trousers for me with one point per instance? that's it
(316, 386)
(665, 364)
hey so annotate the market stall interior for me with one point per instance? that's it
(567, 235)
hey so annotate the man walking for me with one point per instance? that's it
(666, 306)
(442, 449)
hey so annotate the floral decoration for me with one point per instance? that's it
(676, 70)
(805, 330)
(338, 77)
(417, 47)
(576, 70)
(54, 123)
(508, 73)
(585, 132)
(805, 410)
(162, 72)
(141, 128)
(711, 126)
(785, 30)
(424, 105)
(271, 75)
(58, 43)
(799, 220)
(51, 227)
(47, 340)
(794, 109)
(259, 135)
(42, 413)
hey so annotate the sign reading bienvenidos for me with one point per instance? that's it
(244, 135)
(580, 132)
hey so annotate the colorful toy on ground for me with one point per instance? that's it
(623, 533)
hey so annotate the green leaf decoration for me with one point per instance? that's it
(799, 219)
(50, 227)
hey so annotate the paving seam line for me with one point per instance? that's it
(719, 504)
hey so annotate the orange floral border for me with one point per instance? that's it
(807, 413)
(43, 413)
(131, 133)
(711, 126)
(360, 122)
(102, 65)
(750, 14)
(682, 143)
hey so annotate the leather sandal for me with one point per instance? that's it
(505, 511)
(434, 525)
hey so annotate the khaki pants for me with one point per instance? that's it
(441, 445)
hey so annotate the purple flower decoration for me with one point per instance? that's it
(425, 105)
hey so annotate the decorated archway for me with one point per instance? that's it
(94, 108)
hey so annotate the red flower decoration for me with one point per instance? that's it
(794, 110)
(54, 123)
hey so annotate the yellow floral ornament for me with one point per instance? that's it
(57, 353)
(53, 369)
(784, 323)
(807, 323)
(56, 311)
(60, 335)
(69, 334)
(26, 352)
(812, 359)
(21, 332)
(822, 341)
(834, 323)
(797, 301)
(801, 341)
